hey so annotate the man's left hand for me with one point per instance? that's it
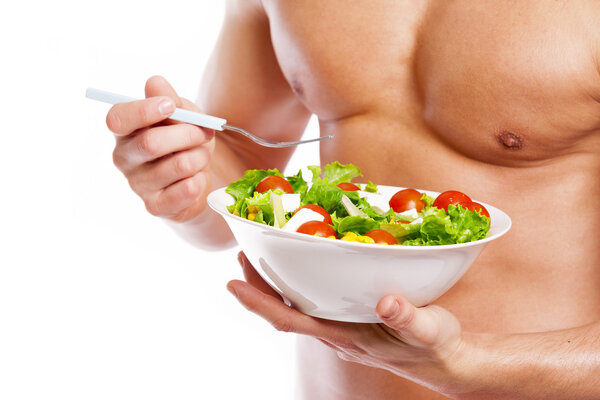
(422, 344)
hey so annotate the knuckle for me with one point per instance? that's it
(147, 144)
(190, 188)
(113, 121)
(191, 134)
(145, 113)
(118, 159)
(134, 184)
(183, 165)
(250, 307)
(283, 325)
(152, 206)
(182, 216)
(405, 317)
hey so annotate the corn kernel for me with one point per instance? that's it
(253, 209)
(331, 237)
(366, 239)
(350, 237)
(353, 237)
(236, 213)
(251, 216)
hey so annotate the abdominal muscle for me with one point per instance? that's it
(543, 275)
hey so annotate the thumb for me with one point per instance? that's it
(419, 327)
(159, 86)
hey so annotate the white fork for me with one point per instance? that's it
(194, 118)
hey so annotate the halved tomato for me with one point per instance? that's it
(348, 186)
(317, 228)
(450, 197)
(407, 199)
(473, 206)
(274, 182)
(319, 209)
(380, 236)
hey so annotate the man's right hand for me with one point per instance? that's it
(166, 163)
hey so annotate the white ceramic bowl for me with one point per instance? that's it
(344, 281)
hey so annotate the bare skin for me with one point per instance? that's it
(499, 100)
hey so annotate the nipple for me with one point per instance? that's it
(509, 140)
(297, 88)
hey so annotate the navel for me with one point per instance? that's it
(509, 140)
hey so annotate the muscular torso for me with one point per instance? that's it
(500, 100)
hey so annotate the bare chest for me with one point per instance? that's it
(506, 82)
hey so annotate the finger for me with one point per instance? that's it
(180, 199)
(125, 118)
(415, 326)
(284, 318)
(152, 144)
(254, 279)
(155, 176)
(159, 86)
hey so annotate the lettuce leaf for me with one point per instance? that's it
(244, 187)
(316, 173)
(298, 183)
(401, 231)
(263, 202)
(428, 200)
(365, 207)
(356, 224)
(335, 172)
(329, 197)
(370, 187)
(458, 225)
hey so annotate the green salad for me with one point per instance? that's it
(331, 206)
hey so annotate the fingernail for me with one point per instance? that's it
(392, 310)
(241, 259)
(232, 291)
(166, 107)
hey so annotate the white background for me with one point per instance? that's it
(98, 299)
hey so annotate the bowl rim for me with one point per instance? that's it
(220, 207)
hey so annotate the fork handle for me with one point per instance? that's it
(190, 117)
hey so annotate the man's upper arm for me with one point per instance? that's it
(244, 84)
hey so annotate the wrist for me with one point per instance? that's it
(468, 365)
(207, 230)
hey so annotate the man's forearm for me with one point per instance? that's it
(207, 231)
(554, 365)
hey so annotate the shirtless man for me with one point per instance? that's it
(500, 100)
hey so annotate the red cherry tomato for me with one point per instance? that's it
(381, 236)
(403, 221)
(450, 197)
(471, 205)
(406, 199)
(316, 228)
(318, 209)
(274, 182)
(348, 187)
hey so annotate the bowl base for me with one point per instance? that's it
(362, 319)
